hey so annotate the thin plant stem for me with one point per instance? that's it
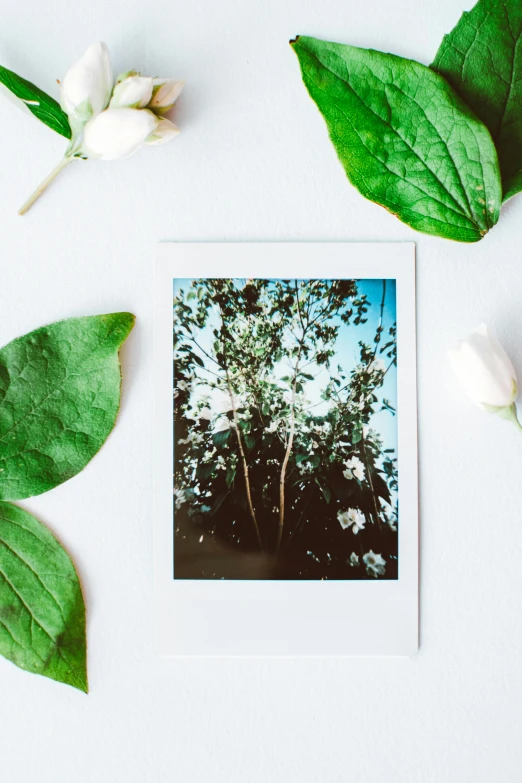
(377, 517)
(510, 413)
(244, 461)
(289, 445)
(42, 187)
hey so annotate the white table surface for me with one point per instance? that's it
(253, 162)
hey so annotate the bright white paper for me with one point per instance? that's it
(227, 617)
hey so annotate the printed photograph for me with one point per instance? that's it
(285, 429)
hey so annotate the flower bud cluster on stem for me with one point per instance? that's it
(111, 119)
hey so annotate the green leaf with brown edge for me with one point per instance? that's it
(44, 108)
(42, 613)
(59, 398)
(405, 138)
(482, 58)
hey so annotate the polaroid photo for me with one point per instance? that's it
(285, 475)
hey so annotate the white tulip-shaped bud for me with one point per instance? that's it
(134, 92)
(486, 373)
(164, 94)
(118, 133)
(164, 131)
(86, 88)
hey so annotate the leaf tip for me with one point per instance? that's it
(293, 41)
(124, 322)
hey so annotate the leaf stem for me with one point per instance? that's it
(42, 187)
(510, 413)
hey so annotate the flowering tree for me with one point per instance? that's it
(304, 488)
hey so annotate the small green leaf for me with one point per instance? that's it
(249, 441)
(327, 492)
(205, 470)
(220, 438)
(482, 60)
(218, 502)
(59, 398)
(231, 474)
(405, 138)
(380, 487)
(44, 108)
(42, 613)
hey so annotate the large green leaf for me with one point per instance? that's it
(482, 59)
(405, 138)
(45, 108)
(59, 397)
(42, 614)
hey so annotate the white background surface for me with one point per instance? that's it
(253, 162)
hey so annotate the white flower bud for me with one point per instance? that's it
(117, 133)
(164, 94)
(133, 93)
(485, 370)
(164, 131)
(86, 88)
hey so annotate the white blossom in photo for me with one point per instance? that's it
(179, 498)
(354, 469)
(352, 518)
(375, 564)
(223, 424)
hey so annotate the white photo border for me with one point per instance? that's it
(285, 617)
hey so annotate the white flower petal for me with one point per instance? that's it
(165, 94)
(484, 370)
(117, 133)
(87, 85)
(132, 93)
(164, 131)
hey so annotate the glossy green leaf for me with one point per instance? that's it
(42, 613)
(44, 108)
(482, 59)
(59, 397)
(405, 138)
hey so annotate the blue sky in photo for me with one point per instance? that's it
(347, 354)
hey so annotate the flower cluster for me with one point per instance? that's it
(354, 469)
(352, 518)
(111, 121)
(375, 564)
